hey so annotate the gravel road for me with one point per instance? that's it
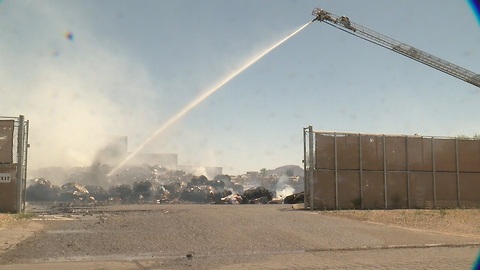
(209, 236)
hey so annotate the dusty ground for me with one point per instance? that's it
(14, 220)
(452, 221)
(240, 237)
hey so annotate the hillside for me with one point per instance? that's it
(285, 170)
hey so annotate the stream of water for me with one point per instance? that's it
(200, 99)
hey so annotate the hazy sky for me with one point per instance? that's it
(129, 66)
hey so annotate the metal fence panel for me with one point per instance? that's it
(368, 171)
(397, 193)
(469, 190)
(420, 155)
(8, 187)
(445, 155)
(13, 163)
(349, 190)
(325, 152)
(396, 153)
(446, 190)
(6, 141)
(372, 152)
(421, 190)
(373, 190)
(469, 155)
(348, 155)
(324, 191)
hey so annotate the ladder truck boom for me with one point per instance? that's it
(343, 23)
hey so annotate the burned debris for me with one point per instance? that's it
(257, 195)
(74, 191)
(121, 193)
(154, 184)
(294, 198)
(40, 189)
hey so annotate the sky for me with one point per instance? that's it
(80, 70)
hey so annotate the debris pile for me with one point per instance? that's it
(155, 184)
(294, 198)
(257, 195)
(41, 189)
(74, 191)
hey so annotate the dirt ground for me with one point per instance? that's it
(13, 220)
(237, 237)
(451, 221)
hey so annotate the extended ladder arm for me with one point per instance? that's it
(343, 23)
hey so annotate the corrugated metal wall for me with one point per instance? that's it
(371, 171)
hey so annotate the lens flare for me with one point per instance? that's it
(199, 99)
(475, 4)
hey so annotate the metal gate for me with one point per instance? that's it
(13, 163)
(378, 171)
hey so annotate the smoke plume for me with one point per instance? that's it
(75, 88)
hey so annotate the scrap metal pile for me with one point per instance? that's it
(147, 184)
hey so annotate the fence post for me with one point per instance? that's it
(434, 174)
(306, 182)
(361, 168)
(20, 163)
(458, 172)
(385, 172)
(311, 163)
(408, 171)
(336, 168)
(25, 164)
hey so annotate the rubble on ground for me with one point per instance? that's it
(155, 184)
(74, 191)
(257, 195)
(294, 198)
(40, 189)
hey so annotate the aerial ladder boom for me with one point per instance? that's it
(343, 23)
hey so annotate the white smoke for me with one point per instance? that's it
(282, 187)
(74, 91)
